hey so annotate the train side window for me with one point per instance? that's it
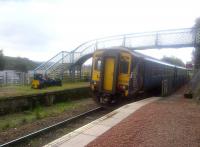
(97, 64)
(124, 66)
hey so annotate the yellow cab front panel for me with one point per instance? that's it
(108, 73)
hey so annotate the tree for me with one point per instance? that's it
(21, 66)
(196, 55)
(2, 61)
(173, 60)
(11, 63)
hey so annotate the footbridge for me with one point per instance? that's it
(69, 63)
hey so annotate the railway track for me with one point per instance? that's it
(21, 141)
(49, 128)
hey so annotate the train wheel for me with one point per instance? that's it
(96, 97)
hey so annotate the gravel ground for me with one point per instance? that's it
(171, 122)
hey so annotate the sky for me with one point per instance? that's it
(40, 29)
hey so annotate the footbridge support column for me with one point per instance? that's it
(75, 72)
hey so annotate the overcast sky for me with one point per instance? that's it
(40, 29)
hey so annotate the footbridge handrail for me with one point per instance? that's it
(48, 63)
(157, 38)
(46, 70)
(174, 38)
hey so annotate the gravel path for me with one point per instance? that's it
(171, 122)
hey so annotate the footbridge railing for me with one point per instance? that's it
(177, 38)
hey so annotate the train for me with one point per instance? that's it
(120, 72)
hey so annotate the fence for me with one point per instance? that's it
(11, 77)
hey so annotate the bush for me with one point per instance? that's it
(6, 126)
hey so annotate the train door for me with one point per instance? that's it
(96, 67)
(124, 71)
(133, 70)
(141, 73)
(108, 73)
(137, 74)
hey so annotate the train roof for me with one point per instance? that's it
(156, 60)
(145, 57)
(148, 58)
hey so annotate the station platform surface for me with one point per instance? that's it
(88, 133)
(172, 121)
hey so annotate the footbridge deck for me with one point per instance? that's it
(70, 62)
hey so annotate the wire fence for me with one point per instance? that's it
(10, 77)
(14, 78)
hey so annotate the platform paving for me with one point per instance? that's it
(91, 131)
(172, 121)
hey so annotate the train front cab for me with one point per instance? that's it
(110, 75)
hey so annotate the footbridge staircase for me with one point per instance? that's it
(69, 63)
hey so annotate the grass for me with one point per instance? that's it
(9, 91)
(17, 119)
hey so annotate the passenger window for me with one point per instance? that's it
(97, 65)
(124, 66)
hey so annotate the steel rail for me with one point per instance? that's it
(51, 127)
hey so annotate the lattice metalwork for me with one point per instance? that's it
(178, 38)
(197, 38)
(50, 63)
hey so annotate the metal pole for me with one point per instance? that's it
(72, 57)
(156, 40)
(62, 70)
(6, 79)
(96, 45)
(124, 41)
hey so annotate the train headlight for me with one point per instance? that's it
(92, 87)
(121, 87)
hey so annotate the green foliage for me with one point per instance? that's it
(40, 112)
(173, 60)
(2, 60)
(6, 126)
(197, 24)
(10, 91)
(21, 67)
(196, 54)
(19, 64)
(24, 121)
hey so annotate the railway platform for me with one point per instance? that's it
(88, 133)
(172, 121)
